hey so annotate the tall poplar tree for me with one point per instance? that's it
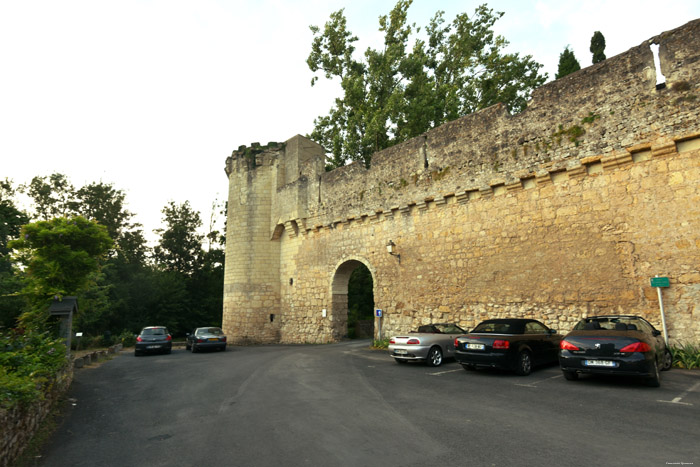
(412, 85)
(598, 47)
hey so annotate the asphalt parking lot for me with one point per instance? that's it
(346, 405)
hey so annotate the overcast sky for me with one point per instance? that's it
(152, 96)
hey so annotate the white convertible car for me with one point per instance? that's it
(431, 343)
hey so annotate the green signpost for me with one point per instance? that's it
(660, 282)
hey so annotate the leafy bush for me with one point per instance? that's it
(686, 356)
(380, 344)
(29, 361)
(127, 338)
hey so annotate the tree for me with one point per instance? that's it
(567, 63)
(11, 221)
(52, 195)
(61, 256)
(180, 246)
(598, 47)
(395, 94)
(103, 203)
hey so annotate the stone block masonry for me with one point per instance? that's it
(562, 211)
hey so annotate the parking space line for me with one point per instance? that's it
(677, 400)
(534, 384)
(444, 372)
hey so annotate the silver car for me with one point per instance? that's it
(431, 343)
(206, 338)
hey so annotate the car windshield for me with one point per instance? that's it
(449, 329)
(496, 328)
(613, 323)
(215, 331)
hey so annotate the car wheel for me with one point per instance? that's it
(194, 349)
(188, 346)
(668, 360)
(400, 360)
(524, 363)
(434, 357)
(168, 351)
(655, 379)
(570, 375)
(468, 367)
(223, 349)
(137, 354)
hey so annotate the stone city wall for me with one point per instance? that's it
(564, 210)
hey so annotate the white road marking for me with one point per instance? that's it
(535, 383)
(677, 400)
(444, 372)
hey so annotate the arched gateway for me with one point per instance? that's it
(564, 210)
(339, 295)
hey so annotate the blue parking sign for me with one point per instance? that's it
(379, 313)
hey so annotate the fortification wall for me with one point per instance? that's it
(564, 210)
(609, 108)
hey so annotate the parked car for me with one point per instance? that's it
(615, 345)
(206, 338)
(153, 339)
(431, 343)
(508, 344)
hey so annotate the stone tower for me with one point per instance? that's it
(252, 273)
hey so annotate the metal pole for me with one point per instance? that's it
(663, 317)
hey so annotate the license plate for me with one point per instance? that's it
(400, 352)
(154, 346)
(605, 363)
(475, 346)
(215, 339)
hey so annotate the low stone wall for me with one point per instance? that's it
(18, 425)
(87, 359)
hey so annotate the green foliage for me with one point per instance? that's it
(686, 356)
(590, 118)
(52, 196)
(180, 245)
(397, 93)
(61, 255)
(598, 47)
(103, 203)
(567, 63)
(380, 344)
(29, 361)
(127, 338)
(11, 221)
(182, 289)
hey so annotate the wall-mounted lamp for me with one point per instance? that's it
(390, 249)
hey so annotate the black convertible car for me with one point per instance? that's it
(509, 344)
(617, 345)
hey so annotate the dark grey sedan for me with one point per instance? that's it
(615, 345)
(206, 338)
(153, 339)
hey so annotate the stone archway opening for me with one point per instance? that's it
(353, 301)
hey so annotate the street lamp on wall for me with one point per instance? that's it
(390, 249)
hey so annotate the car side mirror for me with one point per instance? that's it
(552, 331)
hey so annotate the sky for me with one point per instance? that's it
(152, 96)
